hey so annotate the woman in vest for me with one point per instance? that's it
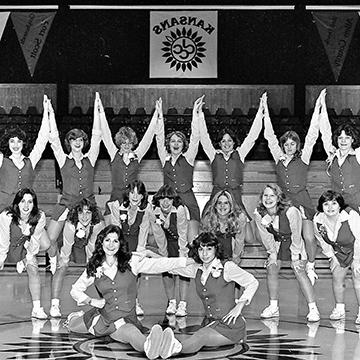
(18, 171)
(343, 151)
(113, 272)
(227, 222)
(215, 281)
(21, 227)
(132, 215)
(177, 157)
(77, 171)
(169, 223)
(227, 162)
(83, 224)
(337, 228)
(279, 224)
(291, 165)
(125, 155)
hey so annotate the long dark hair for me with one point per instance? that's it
(206, 239)
(73, 215)
(14, 209)
(140, 186)
(14, 132)
(349, 130)
(331, 195)
(98, 256)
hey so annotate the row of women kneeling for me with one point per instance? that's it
(117, 253)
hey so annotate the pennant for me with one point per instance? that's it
(336, 30)
(183, 44)
(3, 20)
(32, 30)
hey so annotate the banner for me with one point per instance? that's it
(336, 30)
(183, 44)
(3, 20)
(32, 30)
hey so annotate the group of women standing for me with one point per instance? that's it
(205, 247)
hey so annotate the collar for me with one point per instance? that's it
(71, 156)
(321, 217)
(22, 157)
(215, 265)
(219, 151)
(106, 266)
(351, 152)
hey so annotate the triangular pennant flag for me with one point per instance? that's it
(336, 30)
(32, 30)
(3, 20)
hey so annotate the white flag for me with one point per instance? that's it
(183, 44)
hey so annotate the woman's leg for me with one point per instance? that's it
(273, 280)
(184, 284)
(169, 286)
(308, 235)
(304, 282)
(130, 334)
(75, 323)
(206, 336)
(249, 234)
(34, 281)
(57, 281)
(338, 283)
(44, 241)
(54, 230)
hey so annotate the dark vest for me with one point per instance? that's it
(131, 232)
(179, 176)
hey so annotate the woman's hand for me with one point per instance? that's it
(272, 259)
(98, 303)
(334, 262)
(234, 313)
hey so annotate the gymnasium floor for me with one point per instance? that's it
(289, 338)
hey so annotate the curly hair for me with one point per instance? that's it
(14, 132)
(235, 220)
(331, 195)
(14, 209)
(166, 191)
(140, 186)
(125, 133)
(179, 134)
(98, 257)
(283, 202)
(206, 239)
(74, 134)
(229, 132)
(73, 215)
(349, 130)
(292, 135)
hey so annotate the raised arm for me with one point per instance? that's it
(253, 134)
(147, 139)
(204, 135)
(269, 134)
(59, 153)
(43, 135)
(105, 131)
(313, 131)
(191, 153)
(94, 150)
(325, 129)
(160, 134)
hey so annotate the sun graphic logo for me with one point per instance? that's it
(184, 49)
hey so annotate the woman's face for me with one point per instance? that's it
(26, 205)
(76, 145)
(85, 216)
(227, 144)
(126, 146)
(135, 198)
(345, 141)
(111, 244)
(16, 145)
(331, 208)
(290, 147)
(269, 199)
(176, 145)
(166, 205)
(206, 254)
(223, 206)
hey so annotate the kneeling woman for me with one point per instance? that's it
(22, 236)
(113, 271)
(83, 224)
(337, 228)
(279, 225)
(215, 281)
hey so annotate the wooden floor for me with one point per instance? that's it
(289, 338)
